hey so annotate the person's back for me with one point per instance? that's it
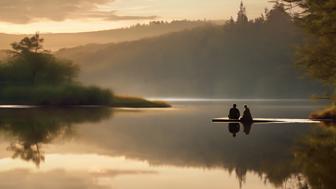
(234, 112)
(247, 116)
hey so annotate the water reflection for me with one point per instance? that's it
(312, 162)
(315, 156)
(285, 155)
(234, 128)
(247, 128)
(29, 129)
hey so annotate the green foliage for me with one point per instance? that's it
(28, 45)
(318, 56)
(318, 60)
(35, 77)
(59, 95)
(37, 69)
(29, 64)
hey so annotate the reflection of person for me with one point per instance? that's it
(234, 128)
(234, 112)
(247, 127)
(247, 117)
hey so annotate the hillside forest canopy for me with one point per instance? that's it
(243, 58)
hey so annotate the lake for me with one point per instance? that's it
(180, 147)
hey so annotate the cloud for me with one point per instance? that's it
(27, 11)
(112, 16)
(55, 179)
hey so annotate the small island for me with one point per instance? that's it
(31, 75)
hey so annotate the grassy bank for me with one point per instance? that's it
(70, 95)
(135, 102)
(326, 113)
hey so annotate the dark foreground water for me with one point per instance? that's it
(165, 148)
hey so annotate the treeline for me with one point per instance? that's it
(66, 40)
(243, 58)
(174, 22)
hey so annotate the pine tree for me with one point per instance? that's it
(242, 18)
(318, 56)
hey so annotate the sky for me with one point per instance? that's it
(64, 16)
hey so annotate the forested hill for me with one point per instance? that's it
(65, 40)
(243, 59)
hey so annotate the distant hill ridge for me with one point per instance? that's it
(55, 41)
(238, 60)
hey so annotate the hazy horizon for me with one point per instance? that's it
(72, 16)
(118, 28)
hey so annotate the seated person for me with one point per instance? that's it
(234, 112)
(247, 117)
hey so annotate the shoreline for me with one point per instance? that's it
(123, 103)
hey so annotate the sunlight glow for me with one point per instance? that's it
(163, 10)
(103, 170)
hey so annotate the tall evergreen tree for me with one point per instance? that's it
(242, 18)
(318, 56)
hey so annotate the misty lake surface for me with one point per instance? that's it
(165, 148)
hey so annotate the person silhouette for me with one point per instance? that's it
(247, 116)
(234, 112)
(247, 127)
(234, 128)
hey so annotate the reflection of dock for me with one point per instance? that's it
(269, 120)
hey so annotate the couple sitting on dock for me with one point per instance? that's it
(235, 114)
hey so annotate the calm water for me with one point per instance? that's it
(175, 148)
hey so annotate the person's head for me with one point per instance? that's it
(234, 105)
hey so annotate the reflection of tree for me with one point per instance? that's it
(266, 153)
(316, 156)
(27, 152)
(33, 127)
